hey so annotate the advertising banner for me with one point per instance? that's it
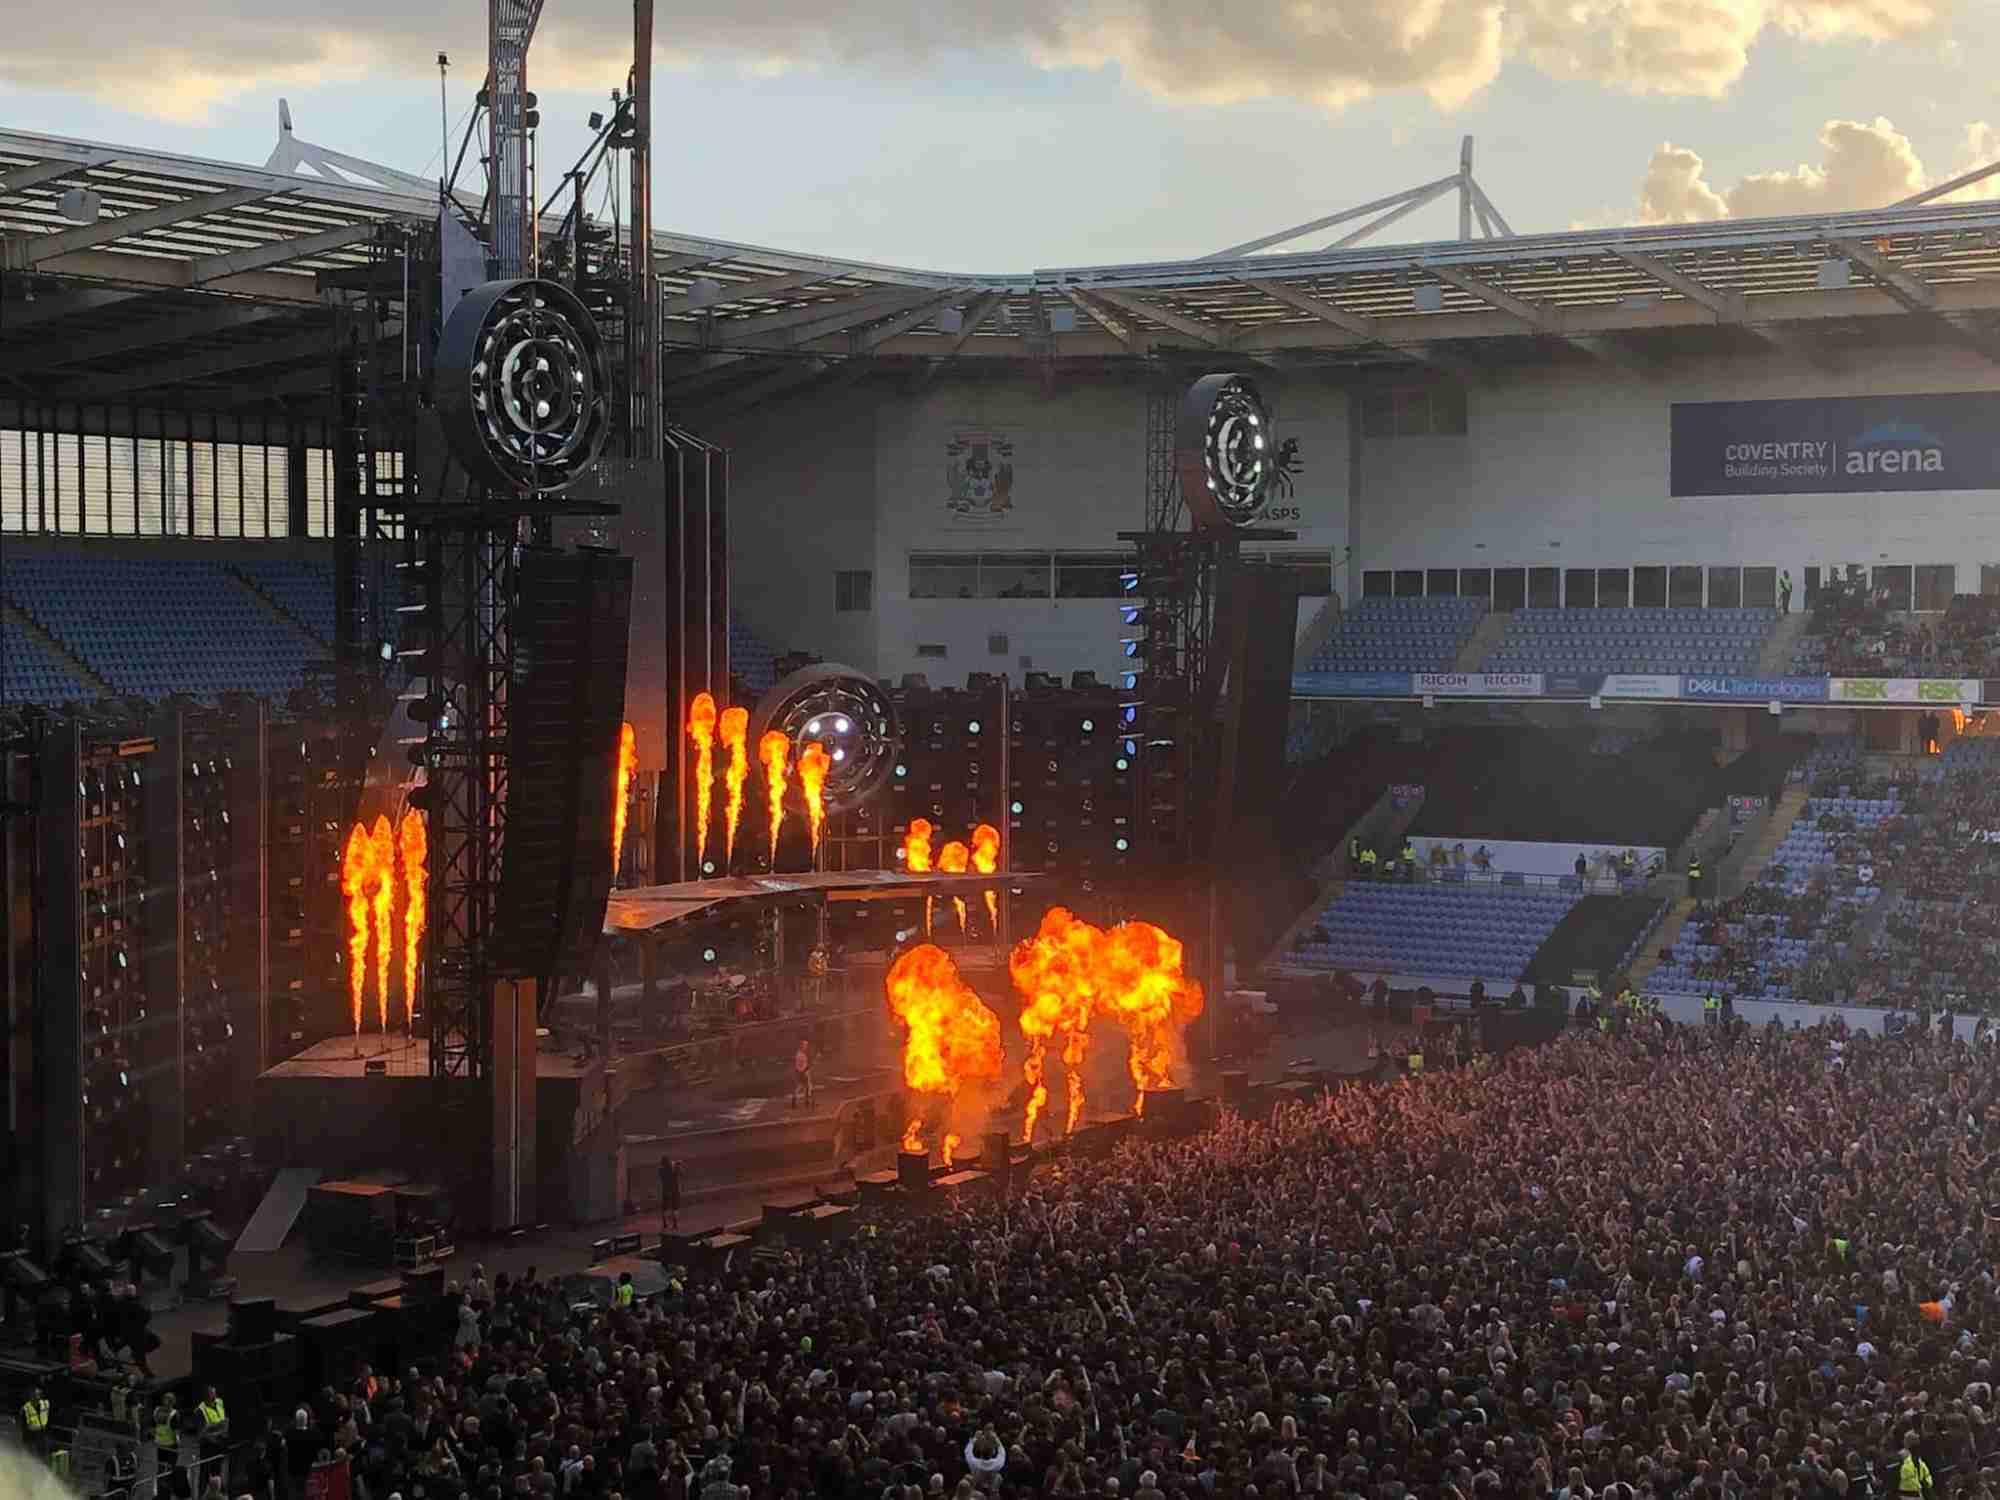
(1947, 690)
(1479, 684)
(1836, 445)
(1639, 685)
(1756, 689)
(1571, 684)
(1351, 685)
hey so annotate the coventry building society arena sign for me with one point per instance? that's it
(1836, 445)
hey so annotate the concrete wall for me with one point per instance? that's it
(1568, 467)
(859, 481)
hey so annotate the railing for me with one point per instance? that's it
(1589, 885)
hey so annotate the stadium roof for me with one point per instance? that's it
(205, 278)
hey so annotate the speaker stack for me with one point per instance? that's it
(257, 1370)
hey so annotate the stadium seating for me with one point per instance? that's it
(749, 658)
(155, 627)
(1443, 930)
(32, 674)
(302, 587)
(1633, 640)
(1769, 941)
(1399, 635)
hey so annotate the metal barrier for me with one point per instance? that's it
(81, 1454)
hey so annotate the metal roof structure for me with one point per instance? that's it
(152, 272)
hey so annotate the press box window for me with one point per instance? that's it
(854, 591)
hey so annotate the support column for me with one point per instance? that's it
(158, 1048)
(58, 998)
(512, 1091)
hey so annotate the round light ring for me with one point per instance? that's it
(847, 713)
(523, 386)
(1223, 451)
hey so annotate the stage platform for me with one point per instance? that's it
(648, 908)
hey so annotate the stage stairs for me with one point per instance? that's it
(278, 1212)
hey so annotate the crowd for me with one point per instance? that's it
(1710, 1263)
(1855, 632)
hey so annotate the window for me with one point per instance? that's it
(941, 576)
(1897, 581)
(1414, 411)
(1725, 588)
(1935, 584)
(1614, 588)
(854, 591)
(1580, 588)
(1313, 571)
(1649, 588)
(1004, 576)
(1089, 575)
(1510, 588)
(1441, 581)
(1475, 583)
(1409, 583)
(1760, 588)
(1684, 587)
(1376, 584)
(1544, 588)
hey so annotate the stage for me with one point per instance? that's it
(648, 908)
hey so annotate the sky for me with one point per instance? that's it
(1013, 135)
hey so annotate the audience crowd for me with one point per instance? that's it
(1855, 632)
(1715, 1263)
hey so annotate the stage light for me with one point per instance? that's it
(848, 716)
(1089, 725)
(124, 1079)
(1129, 712)
(1121, 845)
(1129, 582)
(1123, 764)
(1131, 747)
(708, 955)
(1129, 681)
(972, 727)
(1133, 646)
(708, 867)
(1017, 808)
(901, 772)
(841, 726)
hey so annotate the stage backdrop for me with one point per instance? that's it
(1839, 445)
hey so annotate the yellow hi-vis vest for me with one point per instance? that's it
(1416, 1062)
(1712, 1003)
(1914, 1477)
(163, 1430)
(624, 1294)
(212, 1413)
(35, 1414)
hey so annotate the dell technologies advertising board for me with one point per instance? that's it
(1837, 445)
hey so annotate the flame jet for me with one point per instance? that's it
(734, 727)
(701, 729)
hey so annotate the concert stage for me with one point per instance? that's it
(648, 908)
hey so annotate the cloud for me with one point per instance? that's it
(1863, 166)
(1328, 53)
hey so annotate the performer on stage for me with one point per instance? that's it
(802, 1077)
(670, 1194)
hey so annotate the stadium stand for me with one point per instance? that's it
(153, 628)
(1442, 930)
(301, 587)
(1399, 635)
(1633, 640)
(32, 675)
(749, 657)
(1800, 915)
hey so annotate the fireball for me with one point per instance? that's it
(775, 752)
(701, 729)
(734, 727)
(986, 859)
(416, 851)
(814, 763)
(952, 860)
(952, 1037)
(382, 877)
(621, 793)
(355, 878)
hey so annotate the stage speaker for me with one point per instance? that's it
(913, 1170)
(253, 1320)
(996, 1151)
(1235, 1089)
(566, 702)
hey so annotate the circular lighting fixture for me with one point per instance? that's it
(523, 386)
(708, 955)
(973, 727)
(1124, 764)
(708, 867)
(1219, 451)
(1017, 807)
(1089, 725)
(1121, 845)
(848, 715)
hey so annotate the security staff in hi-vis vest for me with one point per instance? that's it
(1711, 1009)
(1694, 880)
(35, 1421)
(626, 1293)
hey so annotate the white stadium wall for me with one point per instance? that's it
(863, 481)
(1568, 467)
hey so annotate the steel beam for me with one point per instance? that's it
(1534, 318)
(1727, 308)
(1195, 328)
(1369, 333)
(822, 317)
(1124, 332)
(142, 335)
(976, 317)
(865, 339)
(1914, 294)
(20, 179)
(155, 271)
(34, 250)
(204, 367)
(1299, 231)
(279, 252)
(762, 286)
(48, 309)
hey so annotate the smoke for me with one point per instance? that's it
(165, 60)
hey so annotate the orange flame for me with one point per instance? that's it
(701, 729)
(355, 878)
(913, 1138)
(917, 846)
(1055, 972)
(382, 876)
(952, 860)
(415, 844)
(735, 730)
(986, 859)
(775, 751)
(951, 1140)
(953, 1039)
(1145, 991)
(814, 763)
(621, 793)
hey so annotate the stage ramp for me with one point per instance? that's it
(278, 1212)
